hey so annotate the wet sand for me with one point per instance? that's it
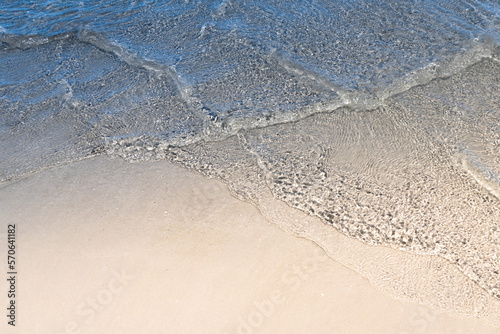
(105, 246)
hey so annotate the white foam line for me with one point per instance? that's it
(479, 173)
(299, 70)
(134, 60)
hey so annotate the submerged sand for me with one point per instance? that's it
(105, 246)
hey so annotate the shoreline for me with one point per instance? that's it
(110, 246)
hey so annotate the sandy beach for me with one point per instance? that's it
(105, 246)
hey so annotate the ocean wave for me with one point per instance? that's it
(297, 91)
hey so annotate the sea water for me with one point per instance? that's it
(381, 118)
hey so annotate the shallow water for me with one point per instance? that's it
(382, 118)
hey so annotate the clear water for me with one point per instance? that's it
(382, 118)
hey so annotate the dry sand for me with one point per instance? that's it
(104, 246)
